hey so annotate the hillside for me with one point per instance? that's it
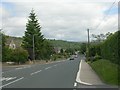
(55, 43)
(65, 44)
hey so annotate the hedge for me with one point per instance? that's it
(109, 48)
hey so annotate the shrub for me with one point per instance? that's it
(97, 57)
(20, 55)
(7, 54)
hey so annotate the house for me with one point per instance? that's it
(57, 49)
(12, 45)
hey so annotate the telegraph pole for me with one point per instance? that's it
(33, 47)
(88, 51)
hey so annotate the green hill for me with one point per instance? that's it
(55, 43)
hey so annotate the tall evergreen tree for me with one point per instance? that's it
(33, 35)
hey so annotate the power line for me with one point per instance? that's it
(105, 15)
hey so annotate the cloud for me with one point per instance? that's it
(66, 20)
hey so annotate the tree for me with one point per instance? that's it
(101, 37)
(61, 51)
(4, 48)
(33, 33)
(83, 48)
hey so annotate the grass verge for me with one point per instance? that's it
(107, 71)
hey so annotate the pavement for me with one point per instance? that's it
(87, 75)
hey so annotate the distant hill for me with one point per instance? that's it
(55, 43)
(65, 44)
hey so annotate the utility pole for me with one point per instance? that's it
(0, 46)
(88, 51)
(33, 47)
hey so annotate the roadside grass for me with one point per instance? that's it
(107, 71)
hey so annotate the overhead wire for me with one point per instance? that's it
(105, 16)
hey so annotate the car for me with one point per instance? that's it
(76, 56)
(72, 57)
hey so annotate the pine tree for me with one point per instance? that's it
(33, 32)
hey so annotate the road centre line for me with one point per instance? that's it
(18, 68)
(78, 76)
(47, 68)
(36, 72)
(55, 65)
(12, 82)
(75, 84)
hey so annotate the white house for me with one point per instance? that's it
(12, 45)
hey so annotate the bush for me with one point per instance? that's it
(110, 48)
(20, 55)
(97, 57)
(7, 54)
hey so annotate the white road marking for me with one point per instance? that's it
(75, 84)
(23, 67)
(78, 76)
(12, 82)
(7, 79)
(47, 68)
(55, 65)
(36, 72)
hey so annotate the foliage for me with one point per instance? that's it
(83, 48)
(97, 57)
(19, 55)
(101, 37)
(107, 71)
(70, 51)
(109, 48)
(46, 50)
(33, 33)
(7, 54)
(65, 44)
(95, 49)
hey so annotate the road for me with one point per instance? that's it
(60, 74)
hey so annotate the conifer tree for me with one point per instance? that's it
(33, 33)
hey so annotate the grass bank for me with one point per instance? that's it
(107, 71)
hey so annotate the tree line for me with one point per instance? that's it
(104, 47)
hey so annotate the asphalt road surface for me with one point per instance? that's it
(60, 74)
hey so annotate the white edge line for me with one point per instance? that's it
(78, 76)
(11, 82)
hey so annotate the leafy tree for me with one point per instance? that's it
(46, 50)
(110, 48)
(4, 48)
(33, 32)
(61, 51)
(83, 48)
(101, 37)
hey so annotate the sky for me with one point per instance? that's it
(60, 19)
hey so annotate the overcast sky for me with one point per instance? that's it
(60, 19)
